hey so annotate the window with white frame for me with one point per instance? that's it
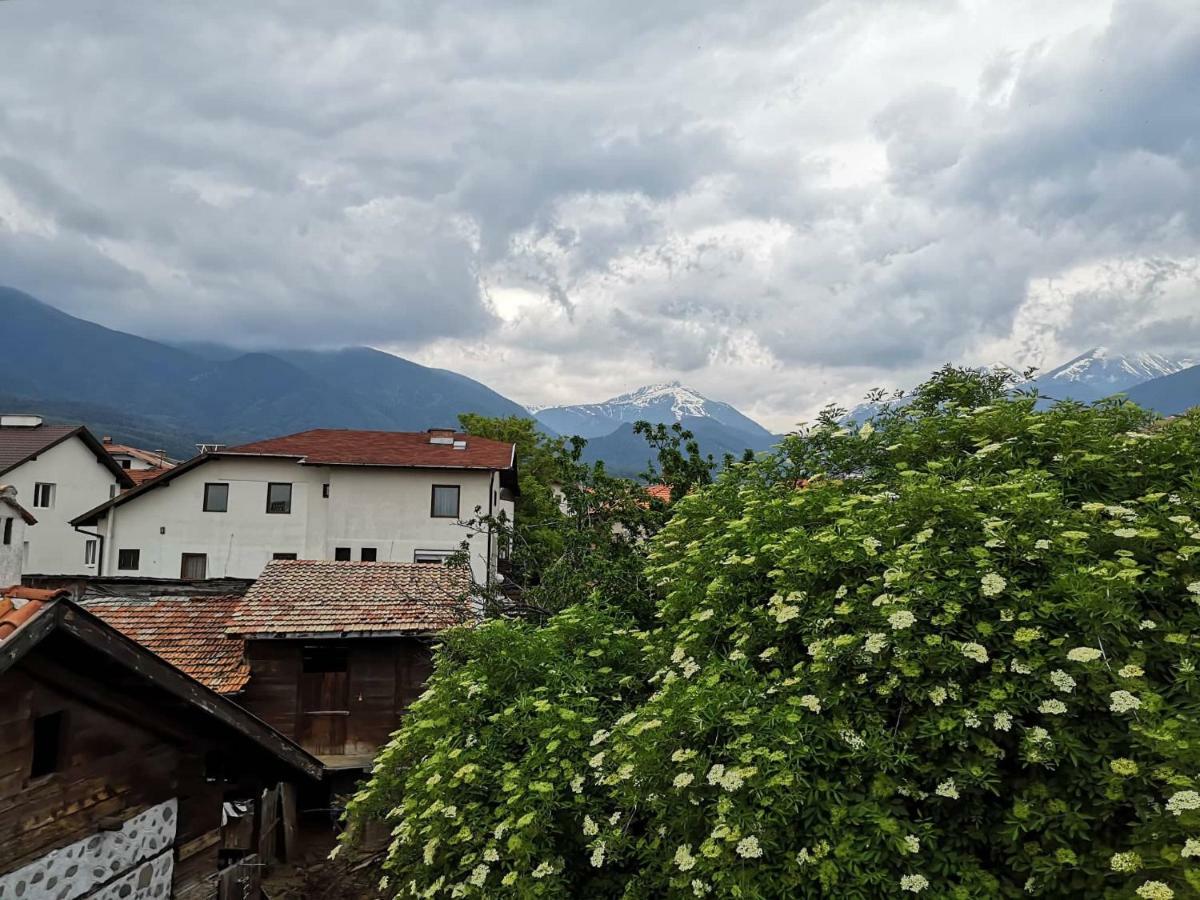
(43, 495)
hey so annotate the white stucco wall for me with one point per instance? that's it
(10, 554)
(81, 483)
(388, 509)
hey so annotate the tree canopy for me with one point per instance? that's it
(949, 652)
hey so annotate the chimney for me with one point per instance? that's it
(20, 420)
(107, 439)
(441, 436)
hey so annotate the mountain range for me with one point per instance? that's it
(1163, 384)
(172, 397)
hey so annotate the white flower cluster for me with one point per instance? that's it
(1002, 721)
(1182, 801)
(729, 779)
(1123, 701)
(684, 859)
(1052, 707)
(901, 619)
(1084, 654)
(992, 585)
(974, 651)
(947, 789)
(1062, 681)
(875, 642)
(1155, 890)
(748, 848)
(811, 702)
(914, 884)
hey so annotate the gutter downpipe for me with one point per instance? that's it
(99, 548)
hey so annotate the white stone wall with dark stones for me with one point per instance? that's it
(134, 862)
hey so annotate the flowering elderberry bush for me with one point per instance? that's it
(950, 653)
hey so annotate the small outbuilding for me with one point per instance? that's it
(122, 776)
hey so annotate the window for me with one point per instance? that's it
(129, 560)
(193, 566)
(283, 556)
(279, 497)
(47, 744)
(325, 490)
(8, 531)
(89, 552)
(432, 557)
(126, 463)
(368, 554)
(216, 497)
(112, 491)
(324, 659)
(445, 501)
(341, 554)
(43, 495)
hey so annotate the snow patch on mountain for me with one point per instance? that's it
(1104, 369)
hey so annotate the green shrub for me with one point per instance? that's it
(957, 661)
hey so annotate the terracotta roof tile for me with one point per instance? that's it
(660, 492)
(338, 447)
(141, 476)
(154, 459)
(188, 632)
(316, 596)
(20, 604)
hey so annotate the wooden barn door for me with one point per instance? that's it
(324, 701)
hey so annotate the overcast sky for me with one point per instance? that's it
(778, 203)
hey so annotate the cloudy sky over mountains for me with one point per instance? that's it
(778, 203)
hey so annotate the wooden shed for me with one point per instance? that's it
(117, 770)
(337, 650)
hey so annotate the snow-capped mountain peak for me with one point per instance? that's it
(663, 403)
(1109, 371)
(683, 400)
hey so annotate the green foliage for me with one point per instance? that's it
(949, 653)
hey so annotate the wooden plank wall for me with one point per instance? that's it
(110, 768)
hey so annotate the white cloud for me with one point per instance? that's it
(779, 203)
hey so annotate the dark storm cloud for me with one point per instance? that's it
(722, 190)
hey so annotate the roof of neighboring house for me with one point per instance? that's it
(141, 476)
(295, 597)
(152, 458)
(340, 447)
(188, 632)
(8, 495)
(19, 444)
(660, 492)
(29, 616)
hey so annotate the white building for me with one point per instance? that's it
(14, 519)
(59, 471)
(321, 494)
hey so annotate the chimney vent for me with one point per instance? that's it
(20, 420)
(441, 436)
(107, 439)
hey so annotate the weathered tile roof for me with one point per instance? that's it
(188, 632)
(20, 604)
(304, 596)
(150, 457)
(141, 476)
(339, 447)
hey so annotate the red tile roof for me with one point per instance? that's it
(188, 632)
(141, 476)
(339, 447)
(150, 457)
(20, 604)
(320, 597)
(660, 492)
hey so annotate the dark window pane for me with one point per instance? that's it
(368, 554)
(341, 554)
(47, 744)
(324, 659)
(445, 501)
(193, 566)
(216, 498)
(279, 497)
(283, 556)
(129, 559)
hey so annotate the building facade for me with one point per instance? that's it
(58, 472)
(321, 495)
(14, 519)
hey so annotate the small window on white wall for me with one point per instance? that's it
(43, 495)
(89, 553)
(444, 503)
(432, 557)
